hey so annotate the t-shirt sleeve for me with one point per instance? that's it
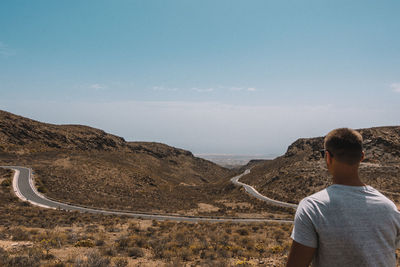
(397, 221)
(304, 230)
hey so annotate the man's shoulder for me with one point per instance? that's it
(320, 196)
(318, 199)
(340, 196)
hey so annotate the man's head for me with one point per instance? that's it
(344, 145)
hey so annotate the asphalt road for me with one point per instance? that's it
(253, 192)
(26, 191)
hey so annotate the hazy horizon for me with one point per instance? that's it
(211, 77)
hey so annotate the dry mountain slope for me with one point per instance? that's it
(301, 171)
(81, 164)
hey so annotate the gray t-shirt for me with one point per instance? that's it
(349, 226)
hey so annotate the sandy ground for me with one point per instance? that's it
(14, 245)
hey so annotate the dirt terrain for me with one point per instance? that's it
(83, 165)
(301, 171)
(32, 236)
(86, 166)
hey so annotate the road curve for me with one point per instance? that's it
(252, 191)
(25, 190)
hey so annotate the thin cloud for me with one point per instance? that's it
(395, 87)
(236, 89)
(97, 86)
(162, 88)
(242, 89)
(5, 51)
(203, 90)
(206, 89)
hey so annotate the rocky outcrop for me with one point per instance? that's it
(301, 170)
(380, 143)
(18, 133)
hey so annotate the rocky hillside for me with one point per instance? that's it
(23, 135)
(301, 171)
(84, 165)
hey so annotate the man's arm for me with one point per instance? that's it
(300, 255)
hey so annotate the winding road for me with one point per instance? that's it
(25, 190)
(252, 191)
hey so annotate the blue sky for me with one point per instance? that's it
(238, 77)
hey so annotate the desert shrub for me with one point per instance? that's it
(140, 241)
(120, 262)
(23, 261)
(158, 246)
(31, 258)
(87, 243)
(92, 228)
(150, 231)
(77, 262)
(122, 242)
(217, 263)
(34, 231)
(196, 248)
(19, 234)
(166, 225)
(48, 244)
(57, 264)
(185, 254)
(208, 255)
(99, 242)
(224, 240)
(6, 183)
(135, 252)
(246, 242)
(279, 235)
(72, 237)
(242, 231)
(168, 254)
(174, 262)
(40, 186)
(276, 249)
(260, 248)
(42, 189)
(255, 228)
(3, 257)
(4, 234)
(95, 259)
(108, 251)
(35, 252)
(134, 227)
(182, 238)
(224, 253)
(112, 229)
(236, 251)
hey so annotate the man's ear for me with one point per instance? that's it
(328, 158)
(362, 156)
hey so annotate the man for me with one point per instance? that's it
(348, 223)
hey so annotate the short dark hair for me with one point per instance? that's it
(345, 145)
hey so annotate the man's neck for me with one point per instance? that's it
(347, 176)
(348, 181)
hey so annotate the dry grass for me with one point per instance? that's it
(109, 180)
(161, 243)
(30, 236)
